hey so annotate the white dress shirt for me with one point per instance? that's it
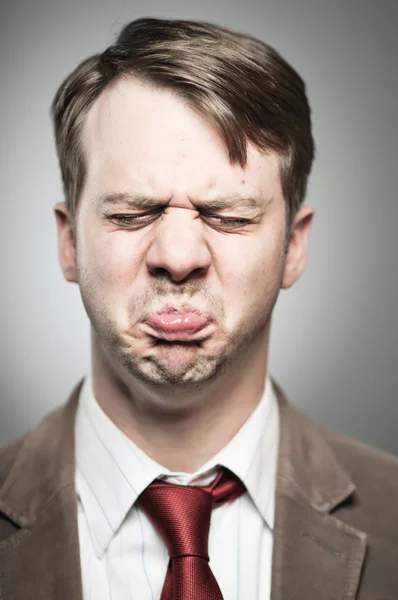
(122, 556)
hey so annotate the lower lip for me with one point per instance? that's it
(184, 323)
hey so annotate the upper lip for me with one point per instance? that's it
(181, 309)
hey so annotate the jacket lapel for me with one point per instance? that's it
(316, 556)
(42, 559)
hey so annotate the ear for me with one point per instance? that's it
(296, 257)
(66, 247)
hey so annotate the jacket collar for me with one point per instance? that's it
(315, 555)
(313, 549)
(42, 560)
(44, 466)
(307, 467)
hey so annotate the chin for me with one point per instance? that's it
(178, 368)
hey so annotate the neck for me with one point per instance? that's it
(182, 439)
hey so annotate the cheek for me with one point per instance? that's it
(110, 261)
(108, 267)
(120, 258)
(247, 264)
(251, 271)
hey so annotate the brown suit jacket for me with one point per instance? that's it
(336, 520)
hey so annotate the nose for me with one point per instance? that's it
(179, 247)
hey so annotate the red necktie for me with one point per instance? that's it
(181, 514)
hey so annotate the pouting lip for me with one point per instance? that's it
(197, 332)
(179, 336)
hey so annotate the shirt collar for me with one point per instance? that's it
(112, 471)
(256, 465)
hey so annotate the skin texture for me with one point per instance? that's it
(146, 239)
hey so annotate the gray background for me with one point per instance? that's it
(335, 334)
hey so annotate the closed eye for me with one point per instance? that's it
(225, 221)
(141, 220)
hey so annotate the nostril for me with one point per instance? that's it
(161, 272)
(177, 275)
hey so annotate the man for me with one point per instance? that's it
(177, 469)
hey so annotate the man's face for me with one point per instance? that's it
(180, 255)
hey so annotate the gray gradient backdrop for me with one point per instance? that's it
(335, 334)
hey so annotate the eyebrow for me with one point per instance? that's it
(139, 201)
(131, 200)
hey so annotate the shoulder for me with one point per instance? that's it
(361, 460)
(46, 443)
(38, 461)
(375, 475)
(8, 454)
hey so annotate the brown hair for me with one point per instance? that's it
(242, 86)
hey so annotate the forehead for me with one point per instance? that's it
(138, 138)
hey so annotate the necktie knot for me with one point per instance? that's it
(181, 514)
